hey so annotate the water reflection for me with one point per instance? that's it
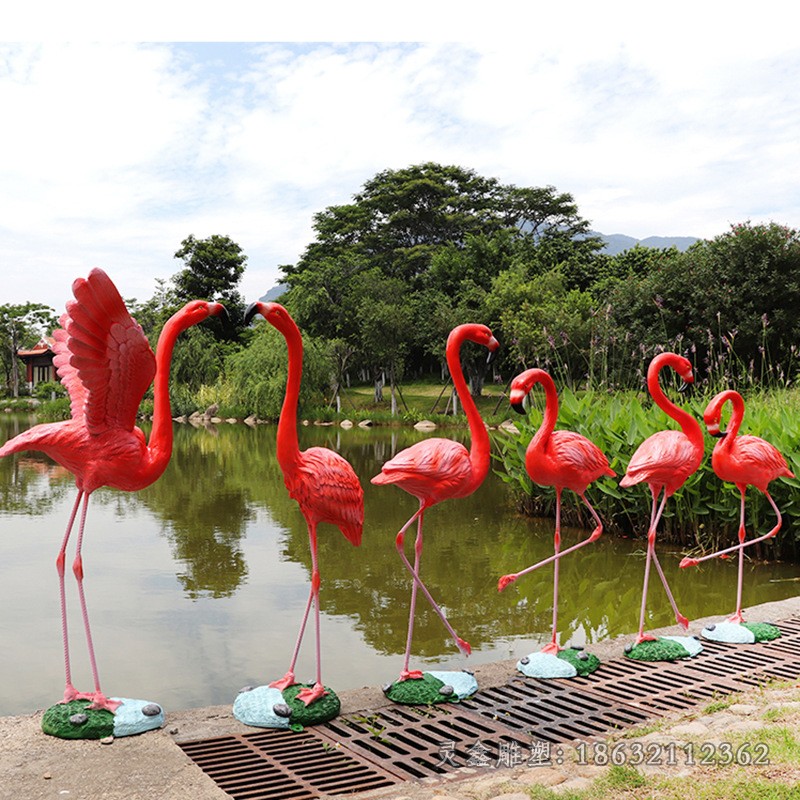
(196, 583)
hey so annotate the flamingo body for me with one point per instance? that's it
(431, 470)
(435, 470)
(323, 483)
(664, 461)
(327, 490)
(563, 460)
(106, 364)
(746, 461)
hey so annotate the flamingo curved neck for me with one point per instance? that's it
(480, 446)
(737, 414)
(160, 444)
(550, 417)
(689, 425)
(288, 447)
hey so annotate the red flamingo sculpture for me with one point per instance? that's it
(664, 461)
(564, 460)
(321, 481)
(745, 461)
(439, 469)
(106, 364)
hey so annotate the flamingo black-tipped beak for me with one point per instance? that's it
(494, 346)
(714, 430)
(219, 310)
(518, 407)
(686, 388)
(252, 310)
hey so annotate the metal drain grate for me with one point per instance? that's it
(554, 711)
(376, 749)
(282, 765)
(423, 742)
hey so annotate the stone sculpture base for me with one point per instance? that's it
(267, 707)
(567, 663)
(665, 648)
(433, 687)
(741, 632)
(75, 720)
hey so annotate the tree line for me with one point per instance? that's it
(422, 249)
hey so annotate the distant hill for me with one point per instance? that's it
(273, 294)
(618, 242)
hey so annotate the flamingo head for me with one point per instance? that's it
(522, 385)
(274, 313)
(479, 334)
(196, 311)
(712, 416)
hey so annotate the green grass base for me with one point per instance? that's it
(322, 710)
(763, 631)
(582, 666)
(658, 650)
(422, 691)
(98, 725)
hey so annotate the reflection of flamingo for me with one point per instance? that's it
(437, 469)
(743, 460)
(664, 461)
(323, 483)
(564, 460)
(106, 364)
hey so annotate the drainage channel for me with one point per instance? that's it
(497, 727)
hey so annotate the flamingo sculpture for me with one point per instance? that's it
(327, 490)
(434, 470)
(564, 460)
(105, 361)
(664, 461)
(745, 461)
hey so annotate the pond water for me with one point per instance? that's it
(196, 585)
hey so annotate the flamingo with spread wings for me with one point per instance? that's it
(105, 361)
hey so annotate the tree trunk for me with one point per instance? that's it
(379, 381)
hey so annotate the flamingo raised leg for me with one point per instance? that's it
(664, 461)
(564, 460)
(744, 461)
(437, 469)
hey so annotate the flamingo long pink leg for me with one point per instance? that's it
(99, 700)
(651, 544)
(462, 645)
(552, 647)
(70, 692)
(505, 580)
(405, 674)
(309, 695)
(693, 562)
(679, 618)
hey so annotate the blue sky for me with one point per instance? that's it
(111, 154)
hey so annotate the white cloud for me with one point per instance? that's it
(110, 155)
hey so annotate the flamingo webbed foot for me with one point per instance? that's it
(464, 646)
(737, 618)
(505, 581)
(100, 701)
(682, 621)
(689, 562)
(285, 682)
(645, 637)
(311, 693)
(410, 675)
(551, 648)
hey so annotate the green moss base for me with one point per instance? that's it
(322, 710)
(583, 666)
(763, 631)
(99, 722)
(658, 650)
(422, 691)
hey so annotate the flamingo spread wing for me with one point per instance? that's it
(111, 363)
(431, 470)
(327, 489)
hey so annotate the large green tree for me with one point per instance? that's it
(213, 268)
